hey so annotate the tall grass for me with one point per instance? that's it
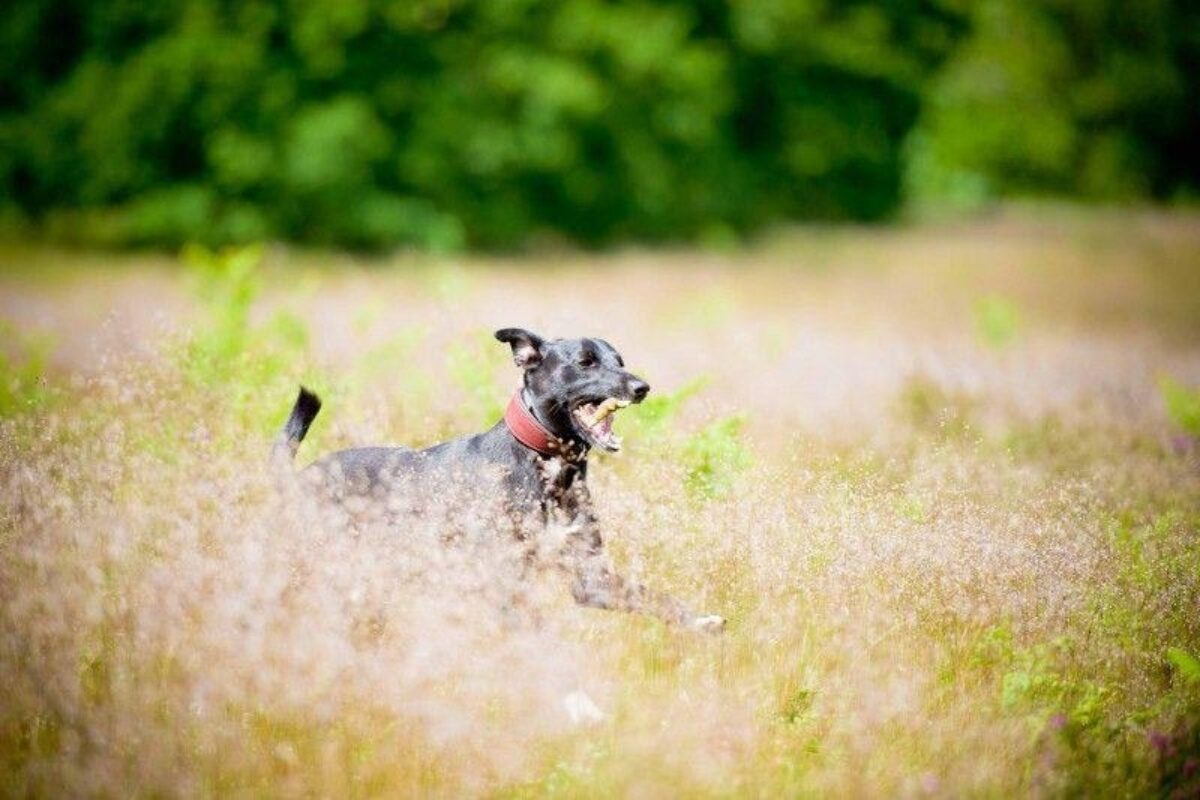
(950, 567)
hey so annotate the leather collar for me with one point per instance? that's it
(526, 429)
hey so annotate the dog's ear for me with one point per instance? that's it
(526, 346)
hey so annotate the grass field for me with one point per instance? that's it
(944, 481)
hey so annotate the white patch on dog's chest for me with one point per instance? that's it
(561, 485)
(558, 476)
(551, 468)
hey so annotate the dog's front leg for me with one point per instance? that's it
(597, 584)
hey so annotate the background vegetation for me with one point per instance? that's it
(944, 483)
(485, 123)
(943, 480)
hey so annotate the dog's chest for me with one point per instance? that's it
(563, 486)
(569, 522)
(558, 477)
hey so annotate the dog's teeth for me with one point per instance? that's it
(586, 416)
(622, 403)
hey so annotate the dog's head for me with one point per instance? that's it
(575, 385)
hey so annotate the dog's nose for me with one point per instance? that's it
(639, 388)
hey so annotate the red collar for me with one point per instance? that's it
(528, 431)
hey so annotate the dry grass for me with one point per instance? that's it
(929, 478)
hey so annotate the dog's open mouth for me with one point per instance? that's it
(595, 420)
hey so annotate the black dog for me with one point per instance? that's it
(533, 462)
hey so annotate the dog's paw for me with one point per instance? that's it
(708, 623)
(581, 710)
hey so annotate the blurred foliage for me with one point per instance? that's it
(997, 320)
(234, 357)
(1186, 663)
(443, 124)
(449, 123)
(1082, 97)
(715, 455)
(933, 409)
(652, 418)
(226, 285)
(23, 362)
(1183, 405)
(473, 370)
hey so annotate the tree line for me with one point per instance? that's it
(487, 123)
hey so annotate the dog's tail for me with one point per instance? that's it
(294, 430)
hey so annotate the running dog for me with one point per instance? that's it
(533, 463)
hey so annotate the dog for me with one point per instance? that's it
(532, 465)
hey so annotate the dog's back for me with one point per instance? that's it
(475, 469)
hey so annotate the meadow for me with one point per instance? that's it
(943, 480)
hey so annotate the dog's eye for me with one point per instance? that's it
(587, 360)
